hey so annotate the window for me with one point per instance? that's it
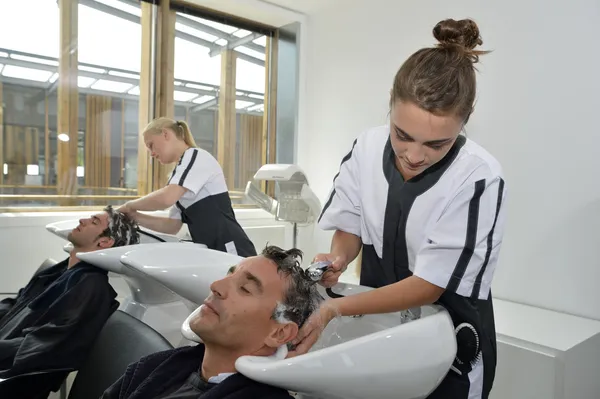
(220, 73)
(73, 99)
(48, 153)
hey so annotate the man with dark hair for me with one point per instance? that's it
(258, 307)
(47, 330)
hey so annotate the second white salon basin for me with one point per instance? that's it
(188, 271)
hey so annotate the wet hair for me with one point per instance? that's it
(441, 79)
(121, 228)
(180, 128)
(301, 297)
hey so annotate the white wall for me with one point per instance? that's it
(537, 113)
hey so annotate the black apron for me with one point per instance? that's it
(393, 267)
(211, 221)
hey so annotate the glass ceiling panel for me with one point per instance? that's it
(34, 59)
(261, 41)
(11, 71)
(83, 81)
(241, 33)
(255, 54)
(109, 85)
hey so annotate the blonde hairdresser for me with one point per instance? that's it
(196, 192)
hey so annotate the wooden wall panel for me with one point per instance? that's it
(97, 141)
(251, 129)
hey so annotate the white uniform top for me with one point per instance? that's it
(206, 206)
(200, 173)
(444, 226)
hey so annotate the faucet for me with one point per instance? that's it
(316, 270)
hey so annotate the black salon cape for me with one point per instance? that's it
(51, 326)
(158, 372)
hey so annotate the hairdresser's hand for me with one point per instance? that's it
(338, 266)
(312, 329)
(127, 209)
(133, 215)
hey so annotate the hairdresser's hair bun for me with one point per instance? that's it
(463, 33)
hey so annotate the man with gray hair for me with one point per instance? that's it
(257, 308)
(48, 329)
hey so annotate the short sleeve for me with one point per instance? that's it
(342, 209)
(461, 251)
(174, 213)
(194, 170)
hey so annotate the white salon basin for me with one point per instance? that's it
(393, 355)
(148, 299)
(385, 356)
(188, 271)
(62, 229)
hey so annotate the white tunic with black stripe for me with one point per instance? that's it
(206, 205)
(444, 226)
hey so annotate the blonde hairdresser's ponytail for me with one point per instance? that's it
(186, 134)
(180, 128)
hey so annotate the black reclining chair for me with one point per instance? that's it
(45, 381)
(122, 341)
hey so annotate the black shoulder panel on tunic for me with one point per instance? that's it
(344, 160)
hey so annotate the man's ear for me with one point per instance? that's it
(106, 242)
(281, 334)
